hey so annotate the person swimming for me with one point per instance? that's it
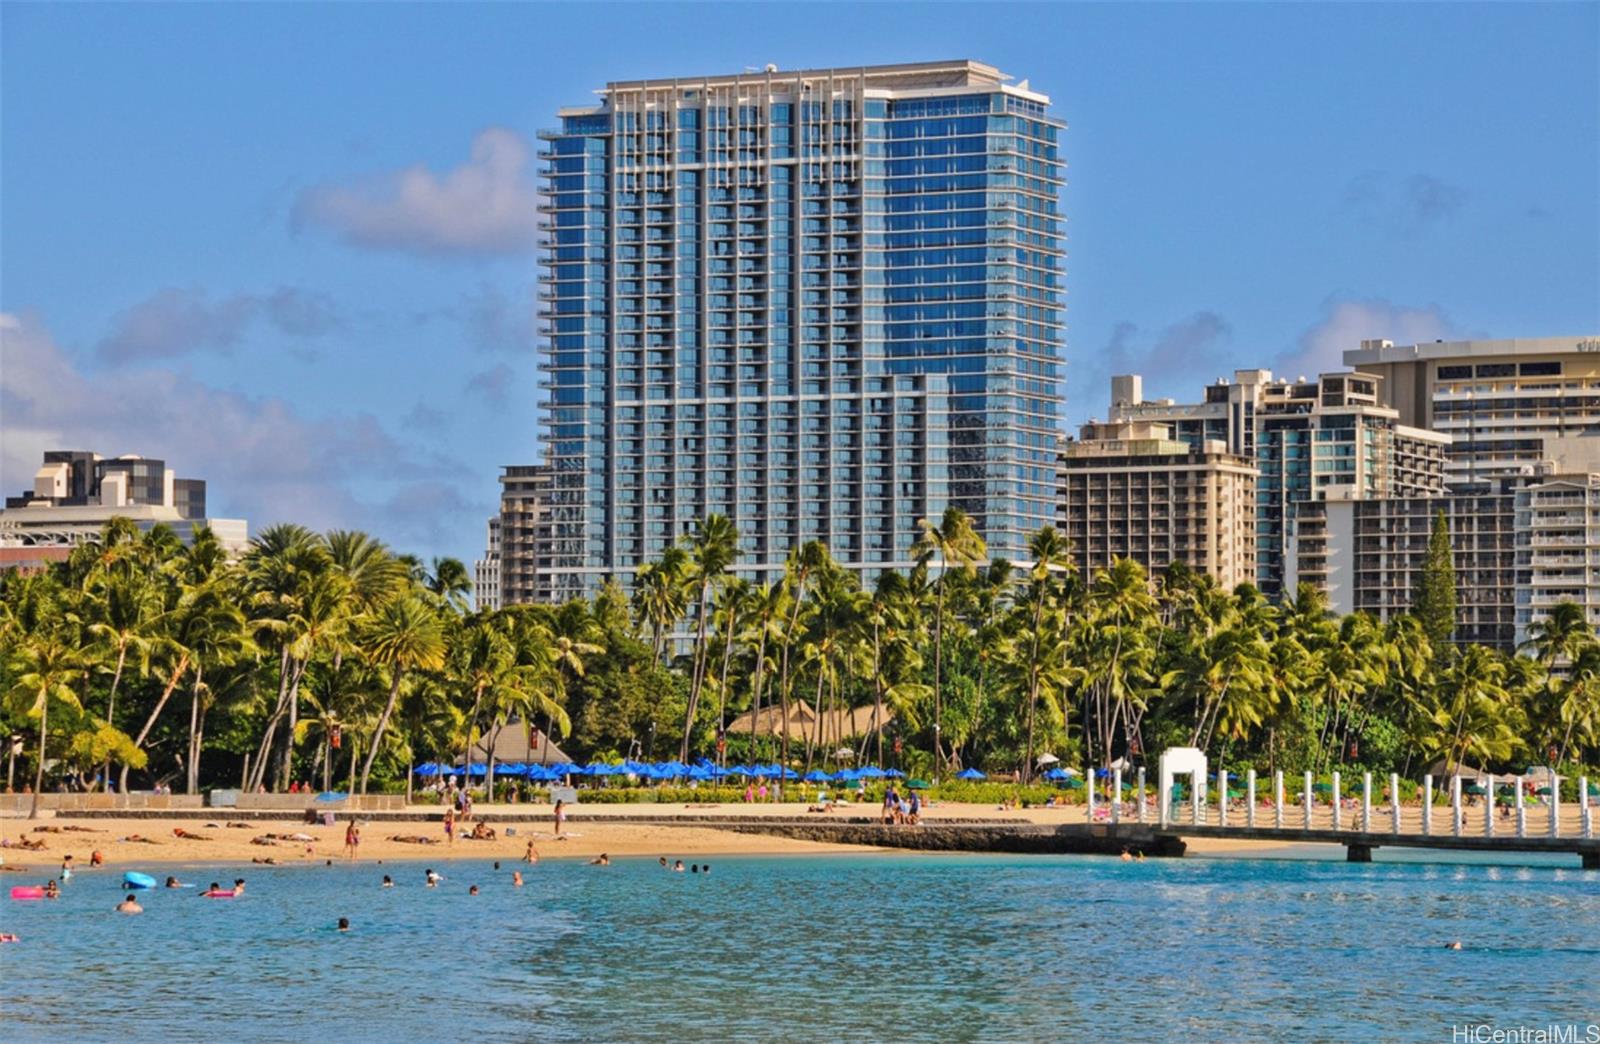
(388, 882)
(516, 878)
(129, 905)
(473, 890)
(173, 882)
(432, 878)
(344, 924)
(602, 860)
(238, 886)
(664, 865)
(52, 890)
(694, 868)
(677, 866)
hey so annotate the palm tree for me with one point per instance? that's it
(1120, 618)
(46, 668)
(737, 602)
(404, 635)
(765, 624)
(954, 541)
(450, 582)
(1049, 551)
(125, 604)
(1473, 716)
(658, 595)
(712, 550)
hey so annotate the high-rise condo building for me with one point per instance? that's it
(1130, 490)
(1328, 439)
(1509, 404)
(824, 303)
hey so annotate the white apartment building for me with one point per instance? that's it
(1508, 404)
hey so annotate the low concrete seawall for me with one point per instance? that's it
(1026, 838)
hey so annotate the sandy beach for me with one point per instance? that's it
(132, 843)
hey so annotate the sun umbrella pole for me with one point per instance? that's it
(1455, 804)
(1488, 810)
(1427, 805)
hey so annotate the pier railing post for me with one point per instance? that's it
(1250, 796)
(1197, 794)
(1222, 796)
(1522, 811)
(1585, 817)
(1338, 813)
(1427, 805)
(1116, 796)
(1366, 803)
(1394, 802)
(1277, 799)
(1088, 783)
(1306, 798)
(1455, 805)
(1555, 804)
(1141, 795)
(1164, 801)
(1488, 808)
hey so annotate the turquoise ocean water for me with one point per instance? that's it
(870, 947)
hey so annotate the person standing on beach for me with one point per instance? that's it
(561, 816)
(352, 839)
(449, 825)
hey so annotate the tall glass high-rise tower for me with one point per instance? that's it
(824, 303)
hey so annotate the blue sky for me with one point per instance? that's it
(287, 247)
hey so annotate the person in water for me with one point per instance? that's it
(433, 878)
(66, 867)
(694, 868)
(664, 865)
(388, 882)
(532, 854)
(129, 905)
(344, 924)
(238, 886)
(473, 890)
(516, 878)
(173, 882)
(677, 866)
(52, 890)
(603, 860)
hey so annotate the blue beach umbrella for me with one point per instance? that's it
(427, 768)
(846, 776)
(893, 774)
(816, 776)
(869, 772)
(970, 773)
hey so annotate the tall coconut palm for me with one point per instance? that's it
(1049, 551)
(403, 635)
(953, 541)
(125, 602)
(45, 669)
(712, 551)
(658, 595)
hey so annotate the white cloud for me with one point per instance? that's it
(1346, 323)
(486, 206)
(262, 457)
(178, 321)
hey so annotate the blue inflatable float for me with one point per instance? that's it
(134, 879)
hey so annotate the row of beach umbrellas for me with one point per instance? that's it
(660, 770)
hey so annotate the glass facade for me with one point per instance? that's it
(824, 304)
